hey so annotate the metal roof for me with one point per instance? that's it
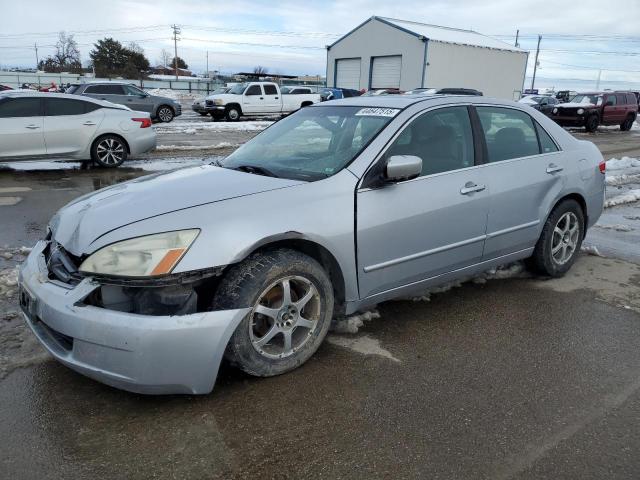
(437, 33)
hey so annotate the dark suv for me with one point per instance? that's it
(589, 110)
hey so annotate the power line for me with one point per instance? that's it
(253, 44)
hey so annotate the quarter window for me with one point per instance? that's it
(547, 145)
(20, 107)
(441, 138)
(254, 90)
(270, 90)
(509, 133)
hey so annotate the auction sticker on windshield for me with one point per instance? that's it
(377, 112)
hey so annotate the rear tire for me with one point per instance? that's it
(560, 240)
(203, 114)
(592, 123)
(165, 113)
(109, 151)
(627, 124)
(282, 331)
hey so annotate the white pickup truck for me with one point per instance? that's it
(254, 99)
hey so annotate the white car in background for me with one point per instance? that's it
(43, 125)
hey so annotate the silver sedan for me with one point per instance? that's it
(146, 285)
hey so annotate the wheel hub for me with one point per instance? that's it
(287, 317)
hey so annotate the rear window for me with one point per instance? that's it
(105, 90)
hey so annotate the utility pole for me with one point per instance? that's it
(207, 70)
(35, 45)
(176, 32)
(598, 81)
(535, 65)
(517, 36)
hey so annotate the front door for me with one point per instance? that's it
(421, 228)
(21, 127)
(610, 113)
(253, 100)
(525, 172)
(137, 100)
(69, 125)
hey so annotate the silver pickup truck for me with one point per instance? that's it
(253, 99)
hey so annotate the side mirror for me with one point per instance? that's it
(403, 167)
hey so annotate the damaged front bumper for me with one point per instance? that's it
(152, 354)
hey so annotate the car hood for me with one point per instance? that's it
(224, 96)
(575, 105)
(78, 224)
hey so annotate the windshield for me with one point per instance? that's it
(238, 89)
(593, 99)
(220, 90)
(312, 144)
(285, 90)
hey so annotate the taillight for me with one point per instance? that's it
(144, 122)
(603, 167)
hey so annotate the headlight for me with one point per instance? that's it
(555, 110)
(218, 101)
(146, 256)
(580, 111)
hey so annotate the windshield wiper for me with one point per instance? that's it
(255, 170)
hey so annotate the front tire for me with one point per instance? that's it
(232, 114)
(165, 114)
(560, 240)
(292, 305)
(109, 151)
(592, 123)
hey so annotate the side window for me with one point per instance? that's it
(621, 98)
(90, 107)
(63, 106)
(546, 142)
(270, 90)
(20, 107)
(611, 100)
(509, 133)
(253, 90)
(441, 138)
(105, 90)
(131, 90)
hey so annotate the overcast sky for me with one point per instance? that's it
(224, 28)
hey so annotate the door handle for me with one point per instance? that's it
(32, 127)
(471, 187)
(89, 123)
(553, 168)
(276, 98)
(261, 98)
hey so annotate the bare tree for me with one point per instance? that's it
(67, 52)
(164, 58)
(260, 70)
(136, 48)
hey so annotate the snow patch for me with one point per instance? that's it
(184, 127)
(352, 323)
(631, 217)
(618, 227)
(622, 163)
(362, 344)
(624, 179)
(172, 94)
(8, 282)
(591, 250)
(197, 147)
(627, 197)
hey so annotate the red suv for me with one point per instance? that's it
(589, 110)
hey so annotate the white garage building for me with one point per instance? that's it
(389, 53)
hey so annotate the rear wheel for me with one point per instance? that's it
(109, 151)
(627, 124)
(204, 114)
(291, 300)
(165, 114)
(560, 240)
(592, 123)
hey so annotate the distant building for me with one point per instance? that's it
(161, 70)
(386, 53)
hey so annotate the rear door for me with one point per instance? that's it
(522, 180)
(417, 229)
(272, 100)
(610, 111)
(69, 125)
(253, 100)
(21, 127)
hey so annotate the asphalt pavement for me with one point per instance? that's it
(516, 377)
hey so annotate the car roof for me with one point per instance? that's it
(403, 101)
(33, 93)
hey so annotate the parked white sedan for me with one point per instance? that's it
(45, 125)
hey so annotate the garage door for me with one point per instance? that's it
(385, 72)
(348, 73)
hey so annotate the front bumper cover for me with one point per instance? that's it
(139, 353)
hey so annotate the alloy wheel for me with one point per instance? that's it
(564, 240)
(110, 152)
(285, 316)
(165, 114)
